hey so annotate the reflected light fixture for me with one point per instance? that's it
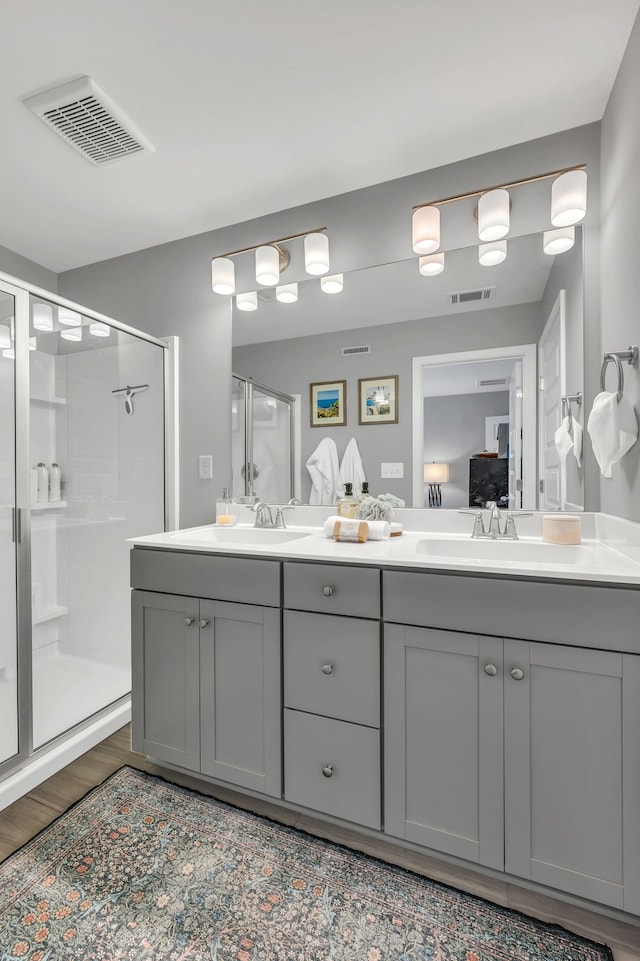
(432, 265)
(425, 229)
(559, 240)
(490, 255)
(42, 316)
(493, 215)
(72, 333)
(5, 337)
(287, 293)
(333, 284)
(223, 275)
(69, 317)
(248, 301)
(9, 353)
(99, 330)
(569, 198)
(434, 476)
(267, 266)
(316, 253)
(33, 343)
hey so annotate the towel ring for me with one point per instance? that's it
(617, 356)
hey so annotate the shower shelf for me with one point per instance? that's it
(49, 614)
(48, 505)
(41, 399)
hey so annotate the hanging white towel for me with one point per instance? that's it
(323, 468)
(613, 429)
(351, 469)
(568, 440)
(577, 441)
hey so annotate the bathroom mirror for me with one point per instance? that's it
(388, 315)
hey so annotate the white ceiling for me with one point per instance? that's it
(255, 107)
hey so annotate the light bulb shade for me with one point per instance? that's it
(5, 337)
(333, 284)
(248, 301)
(316, 254)
(493, 215)
(42, 316)
(9, 353)
(33, 343)
(69, 317)
(436, 473)
(287, 293)
(223, 275)
(490, 255)
(267, 266)
(569, 198)
(432, 265)
(559, 240)
(425, 230)
(99, 330)
(72, 333)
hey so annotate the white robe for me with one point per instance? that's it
(351, 468)
(323, 468)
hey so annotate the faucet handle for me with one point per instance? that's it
(510, 525)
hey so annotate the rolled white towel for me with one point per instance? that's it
(377, 530)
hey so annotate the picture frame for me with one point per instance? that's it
(328, 403)
(378, 400)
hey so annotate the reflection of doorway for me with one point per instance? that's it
(551, 365)
(453, 394)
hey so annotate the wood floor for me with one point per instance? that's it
(36, 810)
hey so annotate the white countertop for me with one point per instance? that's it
(594, 560)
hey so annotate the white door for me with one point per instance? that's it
(515, 437)
(552, 481)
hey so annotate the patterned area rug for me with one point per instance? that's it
(141, 869)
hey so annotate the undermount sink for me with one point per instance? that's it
(241, 535)
(502, 550)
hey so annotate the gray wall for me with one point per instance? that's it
(620, 323)
(24, 269)
(291, 365)
(455, 430)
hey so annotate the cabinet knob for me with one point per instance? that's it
(327, 668)
(491, 670)
(517, 674)
(327, 591)
(327, 770)
(203, 622)
(188, 621)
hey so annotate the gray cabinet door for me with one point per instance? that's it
(240, 695)
(165, 664)
(443, 742)
(565, 746)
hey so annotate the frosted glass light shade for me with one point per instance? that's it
(493, 215)
(432, 265)
(287, 293)
(425, 230)
(490, 255)
(248, 301)
(436, 473)
(33, 343)
(72, 333)
(69, 317)
(569, 198)
(333, 284)
(9, 353)
(316, 254)
(99, 330)
(267, 266)
(223, 275)
(42, 316)
(5, 337)
(559, 240)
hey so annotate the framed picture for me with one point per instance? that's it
(329, 404)
(378, 400)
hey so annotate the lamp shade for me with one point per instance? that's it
(248, 301)
(569, 198)
(267, 266)
(436, 473)
(5, 336)
(71, 318)
(99, 330)
(432, 265)
(332, 284)
(72, 333)
(316, 253)
(287, 293)
(493, 215)
(223, 275)
(425, 230)
(42, 315)
(559, 240)
(490, 255)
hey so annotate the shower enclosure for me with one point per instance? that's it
(82, 467)
(263, 442)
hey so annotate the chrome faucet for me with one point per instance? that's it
(265, 517)
(494, 532)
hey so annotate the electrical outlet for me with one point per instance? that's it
(205, 467)
(392, 470)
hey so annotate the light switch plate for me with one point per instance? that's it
(205, 467)
(392, 470)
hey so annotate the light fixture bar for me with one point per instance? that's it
(274, 243)
(514, 183)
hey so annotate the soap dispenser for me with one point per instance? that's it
(225, 510)
(347, 505)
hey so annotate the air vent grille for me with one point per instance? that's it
(348, 351)
(471, 296)
(497, 382)
(82, 114)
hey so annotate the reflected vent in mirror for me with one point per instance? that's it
(348, 351)
(496, 382)
(471, 296)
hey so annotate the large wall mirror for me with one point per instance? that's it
(483, 355)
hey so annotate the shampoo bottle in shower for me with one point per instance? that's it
(54, 482)
(43, 483)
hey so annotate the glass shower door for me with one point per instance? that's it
(262, 442)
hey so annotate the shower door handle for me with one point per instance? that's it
(16, 525)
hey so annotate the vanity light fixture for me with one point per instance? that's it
(316, 253)
(287, 293)
(559, 240)
(569, 198)
(99, 330)
(72, 333)
(271, 260)
(425, 229)
(69, 317)
(42, 316)
(493, 215)
(267, 266)
(432, 265)
(434, 476)
(248, 301)
(334, 284)
(223, 275)
(490, 255)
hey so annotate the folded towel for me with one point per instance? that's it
(568, 440)
(613, 429)
(376, 530)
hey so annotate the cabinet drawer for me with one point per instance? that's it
(606, 618)
(332, 666)
(245, 580)
(332, 589)
(332, 766)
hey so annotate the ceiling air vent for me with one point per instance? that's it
(348, 351)
(470, 296)
(497, 382)
(89, 121)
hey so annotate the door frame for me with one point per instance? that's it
(557, 313)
